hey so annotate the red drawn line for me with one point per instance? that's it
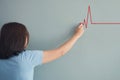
(85, 22)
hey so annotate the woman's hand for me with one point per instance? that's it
(79, 31)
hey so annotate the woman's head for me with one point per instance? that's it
(13, 39)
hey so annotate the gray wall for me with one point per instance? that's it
(96, 56)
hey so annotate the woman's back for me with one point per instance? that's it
(20, 67)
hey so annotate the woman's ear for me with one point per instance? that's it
(26, 42)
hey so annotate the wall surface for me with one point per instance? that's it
(96, 56)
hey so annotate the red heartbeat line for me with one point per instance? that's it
(85, 22)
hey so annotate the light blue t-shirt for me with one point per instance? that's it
(20, 67)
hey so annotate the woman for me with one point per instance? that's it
(16, 63)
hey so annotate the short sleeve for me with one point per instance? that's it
(33, 57)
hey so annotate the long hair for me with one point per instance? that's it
(12, 39)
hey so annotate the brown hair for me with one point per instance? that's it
(12, 39)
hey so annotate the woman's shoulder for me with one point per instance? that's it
(31, 52)
(33, 56)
